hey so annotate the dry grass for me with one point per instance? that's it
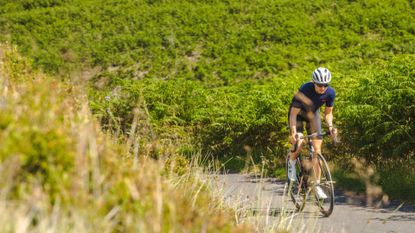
(61, 173)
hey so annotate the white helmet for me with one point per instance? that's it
(321, 75)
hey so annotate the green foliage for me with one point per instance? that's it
(113, 99)
(241, 115)
(19, 5)
(221, 120)
(392, 175)
(217, 42)
(380, 110)
(376, 117)
(29, 135)
(206, 67)
(349, 180)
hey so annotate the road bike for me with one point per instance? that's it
(304, 187)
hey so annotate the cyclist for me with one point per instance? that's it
(305, 107)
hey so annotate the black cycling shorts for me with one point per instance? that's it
(311, 119)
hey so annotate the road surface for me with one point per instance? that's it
(262, 202)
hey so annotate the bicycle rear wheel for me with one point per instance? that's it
(326, 183)
(298, 189)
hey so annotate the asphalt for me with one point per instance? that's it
(261, 201)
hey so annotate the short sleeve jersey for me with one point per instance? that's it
(317, 99)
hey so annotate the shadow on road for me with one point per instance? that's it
(341, 198)
(275, 212)
(262, 200)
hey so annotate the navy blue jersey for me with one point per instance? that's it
(312, 100)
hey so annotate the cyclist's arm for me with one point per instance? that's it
(293, 120)
(328, 116)
(303, 101)
(293, 123)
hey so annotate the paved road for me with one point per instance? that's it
(262, 202)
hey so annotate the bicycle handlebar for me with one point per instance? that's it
(315, 135)
(310, 136)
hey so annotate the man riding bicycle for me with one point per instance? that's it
(305, 107)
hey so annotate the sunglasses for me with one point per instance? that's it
(321, 85)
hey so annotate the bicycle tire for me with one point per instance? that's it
(297, 190)
(326, 183)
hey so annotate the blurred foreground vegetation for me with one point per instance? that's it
(61, 173)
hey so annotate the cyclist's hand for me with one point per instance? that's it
(333, 133)
(293, 139)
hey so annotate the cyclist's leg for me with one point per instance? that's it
(292, 155)
(317, 150)
(314, 126)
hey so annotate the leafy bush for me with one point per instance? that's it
(377, 123)
(218, 42)
(378, 112)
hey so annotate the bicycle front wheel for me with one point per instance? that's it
(298, 189)
(326, 183)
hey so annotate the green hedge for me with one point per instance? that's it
(379, 111)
